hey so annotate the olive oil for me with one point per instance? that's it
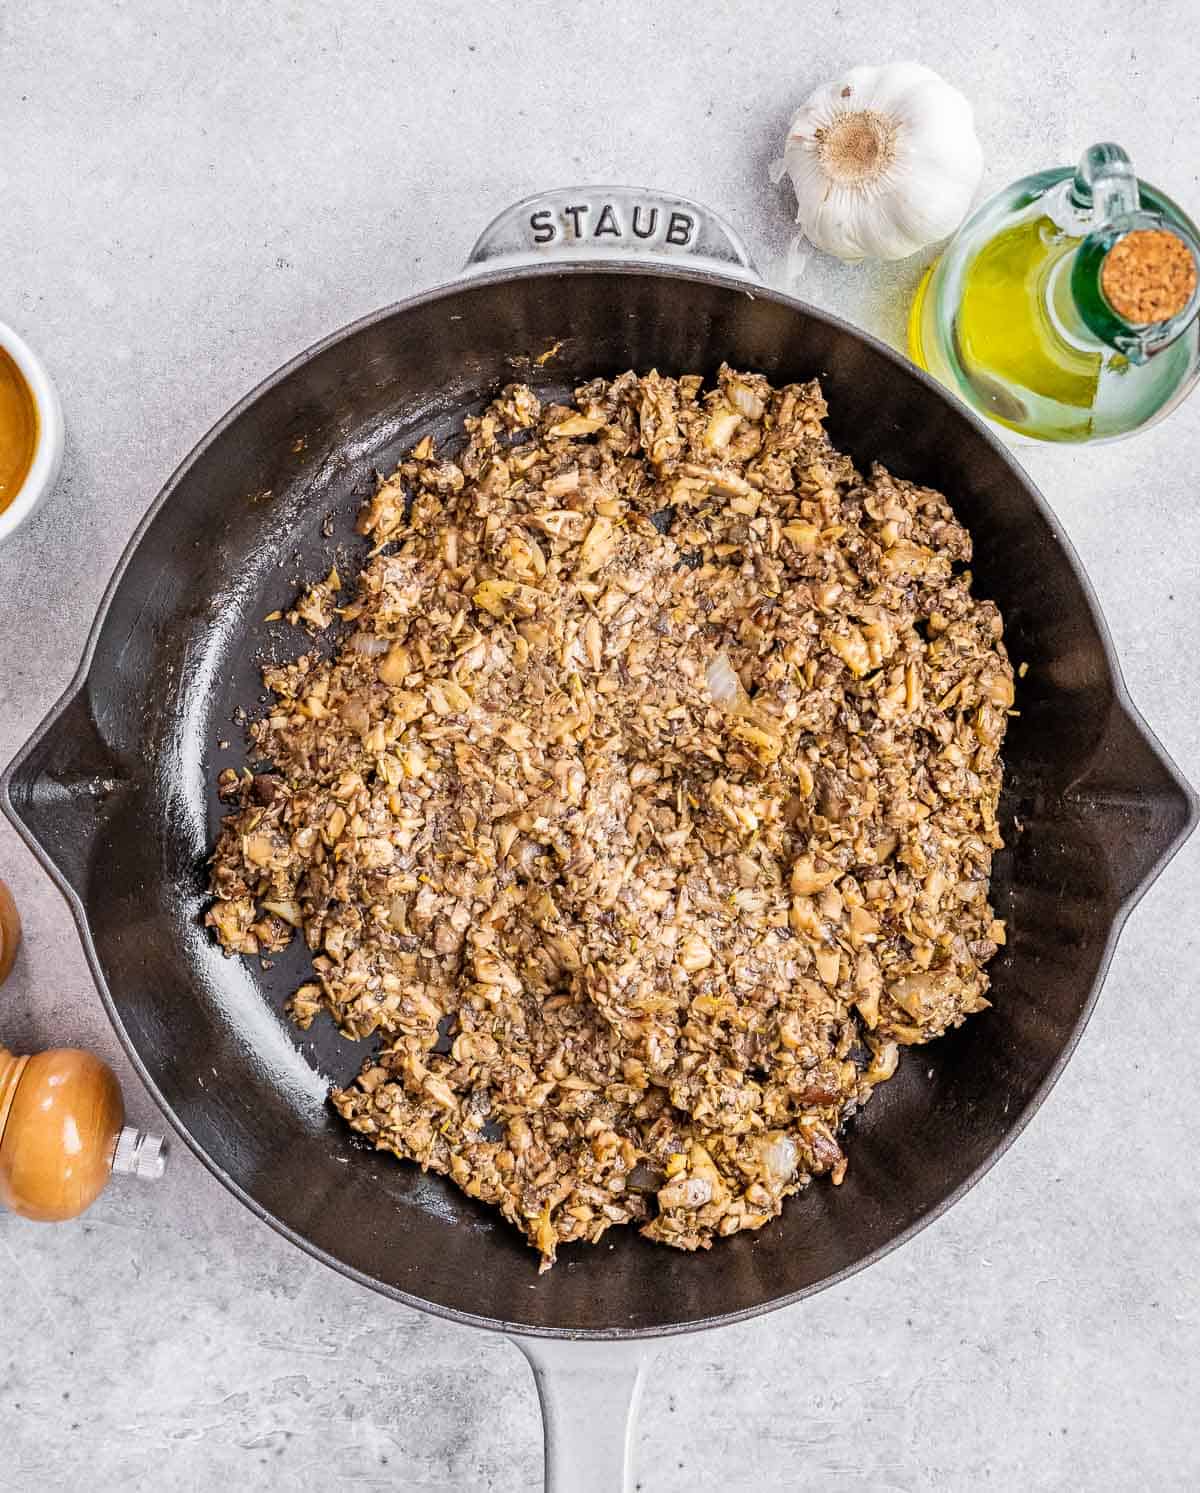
(18, 430)
(1015, 319)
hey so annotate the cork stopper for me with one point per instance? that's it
(1148, 275)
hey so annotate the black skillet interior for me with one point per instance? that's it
(118, 793)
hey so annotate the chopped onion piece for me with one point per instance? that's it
(745, 400)
(723, 683)
(369, 645)
(780, 1158)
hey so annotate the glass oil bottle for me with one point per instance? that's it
(1066, 307)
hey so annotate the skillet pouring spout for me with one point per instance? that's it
(1141, 806)
(63, 787)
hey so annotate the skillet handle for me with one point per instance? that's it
(634, 224)
(589, 1393)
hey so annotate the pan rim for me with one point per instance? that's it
(1121, 699)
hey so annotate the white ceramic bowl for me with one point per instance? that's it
(47, 456)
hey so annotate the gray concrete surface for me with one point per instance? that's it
(190, 194)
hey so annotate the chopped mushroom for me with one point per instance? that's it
(644, 848)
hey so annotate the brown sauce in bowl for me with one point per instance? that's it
(18, 429)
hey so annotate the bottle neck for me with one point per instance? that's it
(1133, 266)
(1133, 279)
(1090, 310)
(1063, 310)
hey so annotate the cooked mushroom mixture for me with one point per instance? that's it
(645, 810)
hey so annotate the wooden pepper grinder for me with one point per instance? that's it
(62, 1120)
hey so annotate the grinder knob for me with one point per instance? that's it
(10, 932)
(63, 1133)
(62, 1120)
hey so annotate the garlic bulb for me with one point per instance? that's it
(884, 161)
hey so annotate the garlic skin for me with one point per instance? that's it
(884, 160)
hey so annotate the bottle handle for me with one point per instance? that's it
(638, 224)
(1105, 185)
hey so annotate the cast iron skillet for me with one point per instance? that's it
(114, 791)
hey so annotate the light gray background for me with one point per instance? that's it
(189, 195)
